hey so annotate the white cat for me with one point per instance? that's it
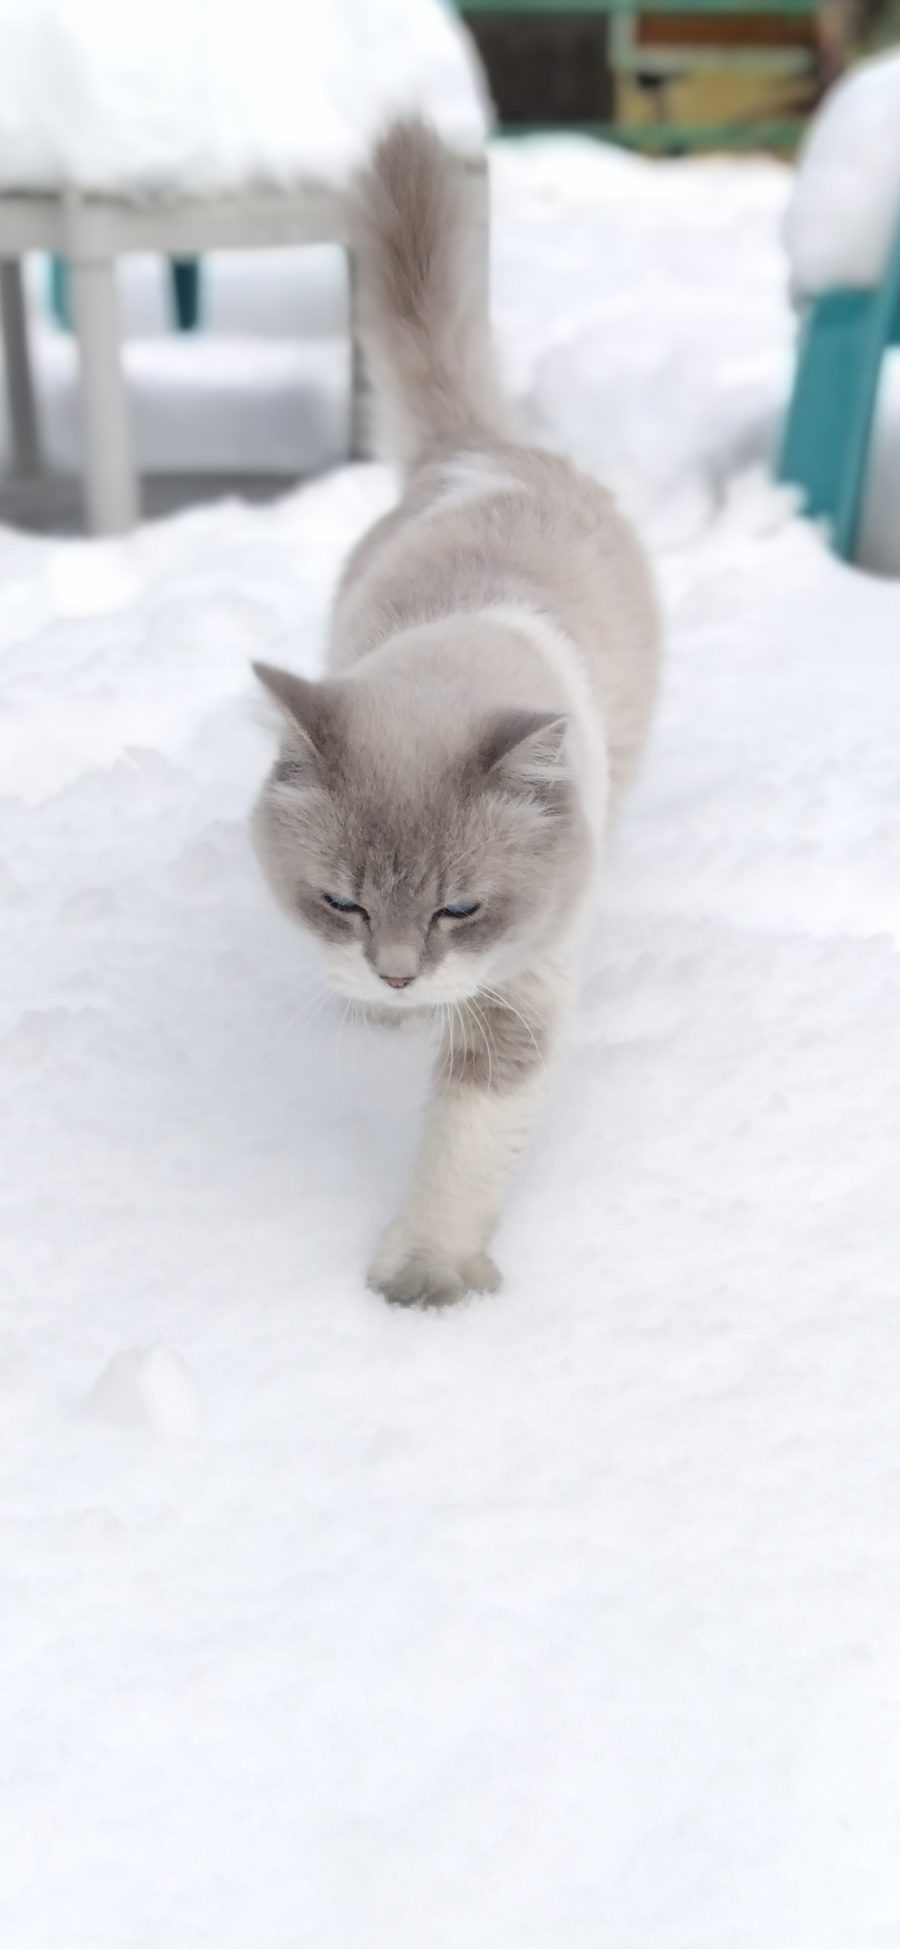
(437, 811)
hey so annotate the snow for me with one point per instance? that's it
(212, 96)
(149, 1389)
(845, 212)
(568, 1617)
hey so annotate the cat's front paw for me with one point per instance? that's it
(416, 1274)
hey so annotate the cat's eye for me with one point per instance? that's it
(339, 904)
(459, 910)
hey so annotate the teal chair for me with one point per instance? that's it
(825, 451)
(184, 275)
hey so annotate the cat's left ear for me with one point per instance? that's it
(526, 748)
(307, 707)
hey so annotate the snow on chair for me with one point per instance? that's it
(843, 236)
(180, 130)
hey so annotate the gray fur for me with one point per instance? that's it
(427, 343)
(493, 664)
(494, 1043)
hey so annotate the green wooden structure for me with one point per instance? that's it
(828, 433)
(629, 57)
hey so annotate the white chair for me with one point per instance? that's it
(92, 234)
(104, 152)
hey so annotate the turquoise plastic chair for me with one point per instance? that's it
(184, 273)
(825, 450)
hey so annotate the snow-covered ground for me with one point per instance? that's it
(569, 1617)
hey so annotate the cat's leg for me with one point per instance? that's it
(489, 1082)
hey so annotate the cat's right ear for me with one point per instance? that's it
(305, 708)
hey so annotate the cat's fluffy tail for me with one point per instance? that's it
(418, 239)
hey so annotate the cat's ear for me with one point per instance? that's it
(306, 708)
(526, 749)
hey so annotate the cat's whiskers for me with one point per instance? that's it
(303, 1017)
(302, 991)
(503, 1001)
(447, 1012)
(347, 1013)
(361, 1014)
(484, 1031)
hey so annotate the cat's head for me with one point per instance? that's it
(427, 844)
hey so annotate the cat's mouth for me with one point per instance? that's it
(419, 998)
(380, 996)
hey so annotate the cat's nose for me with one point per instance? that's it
(398, 981)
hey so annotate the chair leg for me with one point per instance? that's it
(185, 277)
(826, 441)
(20, 398)
(59, 293)
(881, 329)
(110, 480)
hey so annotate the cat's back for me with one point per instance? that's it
(514, 524)
(605, 597)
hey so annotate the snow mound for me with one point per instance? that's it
(205, 96)
(656, 374)
(149, 1390)
(845, 212)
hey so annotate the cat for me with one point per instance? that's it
(437, 810)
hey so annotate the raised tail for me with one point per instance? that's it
(420, 244)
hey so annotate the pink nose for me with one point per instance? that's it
(398, 981)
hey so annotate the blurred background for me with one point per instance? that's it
(620, 136)
(671, 79)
